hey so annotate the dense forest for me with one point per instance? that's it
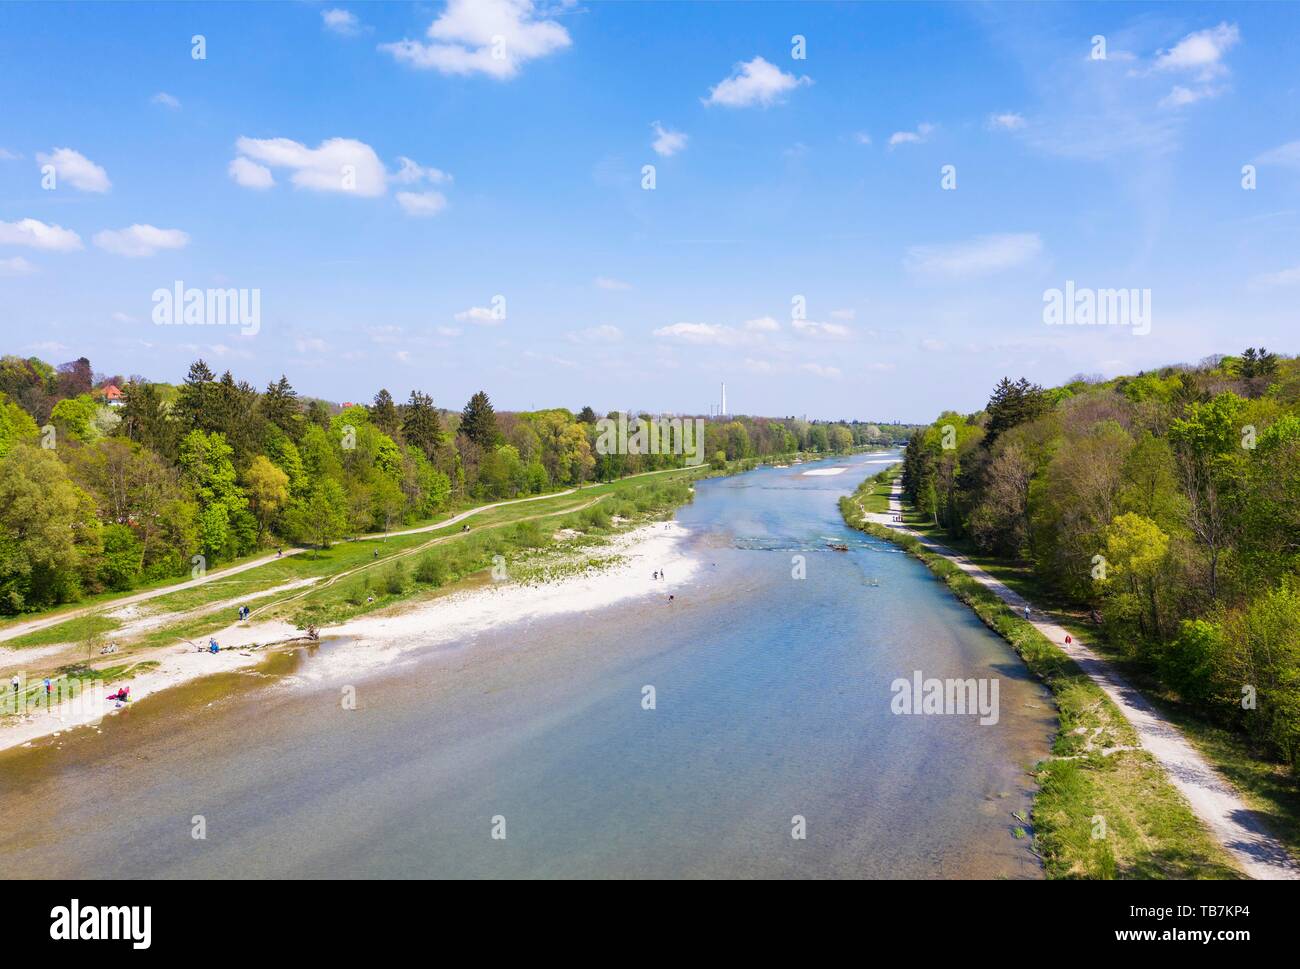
(1166, 505)
(107, 483)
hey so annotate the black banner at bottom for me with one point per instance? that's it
(143, 919)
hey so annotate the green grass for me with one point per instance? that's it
(246, 587)
(1270, 788)
(1149, 829)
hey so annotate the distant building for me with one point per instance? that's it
(111, 395)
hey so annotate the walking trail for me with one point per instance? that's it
(35, 625)
(1213, 799)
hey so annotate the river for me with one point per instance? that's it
(771, 717)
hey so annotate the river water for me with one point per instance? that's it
(771, 717)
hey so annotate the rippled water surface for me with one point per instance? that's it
(772, 701)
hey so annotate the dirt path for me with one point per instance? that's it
(1214, 800)
(35, 625)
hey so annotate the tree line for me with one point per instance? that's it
(1166, 505)
(106, 494)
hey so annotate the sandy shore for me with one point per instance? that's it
(377, 641)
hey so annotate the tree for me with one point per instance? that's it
(123, 558)
(75, 416)
(478, 421)
(421, 425)
(75, 378)
(268, 491)
(1135, 549)
(281, 407)
(383, 413)
(323, 517)
(195, 402)
(48, 530)
(1012, 404)
(1205, 441)
(15, 426)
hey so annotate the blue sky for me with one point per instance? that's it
(779, 182)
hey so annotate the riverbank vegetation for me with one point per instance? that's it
(110, 484)
(1104, 808)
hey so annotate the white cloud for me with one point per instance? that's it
(1179, 95)
(336, 165)
(412, 172)
(862, 138)
(76, 169)
(1287, 155)
(342, 22)
(667, 143)
(933, 345)
(492, 37)
(422, 204)
(166, 100)
(38, 235)
(844, 314)
(817, 370)
(120, 317)
(922, 133)
(449, 331)
(7, 155)
(701, 334)
(138, 240)
(1007, 121)
(311, 345)
(754, 82)
(250, 174)
(17, 266)
(974, 257)
(604, 333)
(821, 331)
(1200, 53)
(764, 324)
(605, 282)
(479, 315)
(1285, 277)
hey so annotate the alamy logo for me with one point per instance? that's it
(1080, 306)
(921, 697)
(661, 436)
(179, 306)
(72, 923)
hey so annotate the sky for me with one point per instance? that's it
(853, 210)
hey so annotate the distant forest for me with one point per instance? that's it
(108, 482)
(1166, 505)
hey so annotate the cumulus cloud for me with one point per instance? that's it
(411, 172)
(1200, 56)
(974, 257)
(764, 324)
(492, 37)
(701, 334)
(166, 100)
(821, 331)
(342, 22)
(250, 174)
(667, 143)
(17, 266)
(1006, 121)
(1200, 53)
(336, 165)
(422, 204)
(479, 315)
(76, 169)
(37, 235)
(755, 82)
(605, 333)
(136, 241)
(922, 133)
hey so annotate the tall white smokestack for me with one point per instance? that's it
(724, 400)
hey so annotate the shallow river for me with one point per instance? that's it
(771, 717)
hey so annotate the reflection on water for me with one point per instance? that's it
(771, 701)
